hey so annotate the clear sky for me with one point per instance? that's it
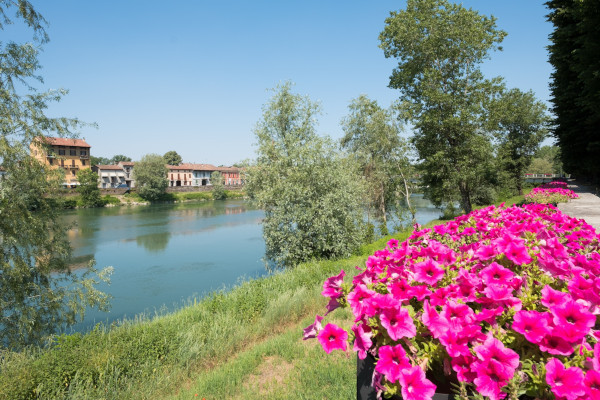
(192, 76)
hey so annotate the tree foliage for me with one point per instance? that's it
(39, 295)
(100, 160)
(521, 123)
(172, 158)
(439, 47)
(118, 158)
(88, 190)
(150, 174)
(311, 194)
(372, 136)
(218, 186)
(575, 85)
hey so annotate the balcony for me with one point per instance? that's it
(84, 157)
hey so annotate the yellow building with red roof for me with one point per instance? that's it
(68, 154)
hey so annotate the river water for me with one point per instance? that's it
(165, 254)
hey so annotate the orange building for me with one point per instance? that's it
(69, 154)
(231, 175)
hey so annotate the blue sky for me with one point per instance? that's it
(192, 76)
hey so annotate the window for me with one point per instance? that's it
(82, 162)
(83, 153)
(72, 152)
(73, 172)
(50, 161)
(61, 152)
(72, 163)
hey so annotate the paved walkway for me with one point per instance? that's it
(586, 207)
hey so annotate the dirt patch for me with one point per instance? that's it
(271, 374)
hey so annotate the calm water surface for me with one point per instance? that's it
(165, 254)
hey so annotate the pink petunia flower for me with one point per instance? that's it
(572, 320)
(398, 323)
(358, 299)
(491, 377)
(332, 287)
(592, 384)
(414, 385)
(556, 345)
(564, 382)
(551, 297)
(311, 331)
(428, 272)
(496, 274)
(517, 253)
(332, 337)
(462, 366)
(531, 324)
(436, 324)
(392, 359)
(493, 349)
(362, 341)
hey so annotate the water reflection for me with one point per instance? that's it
(164, 254)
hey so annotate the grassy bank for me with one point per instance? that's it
(155, 358)
(242, 343)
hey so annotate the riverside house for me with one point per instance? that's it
(190, 174)
(231, 175)
(110, 176)
(68, 154)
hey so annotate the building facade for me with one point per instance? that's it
(231, 175)
(190, 174)
(69, 154)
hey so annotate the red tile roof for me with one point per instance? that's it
(65, 142)
(112, 167)
(193, 167)
(228, 169)
(126, 163)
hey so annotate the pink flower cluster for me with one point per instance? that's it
(500, 299)
(553, 192)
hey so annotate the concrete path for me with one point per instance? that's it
(586, 207)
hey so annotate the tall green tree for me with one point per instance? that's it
(38, 294)
(575, 83)
(439, 47)
(521, 124)
(88, 190)
(172, 158)
(372, 136)
(552, 155)
(118, 158)
(100, 160)
(311, 194)
(218, 186)
(150, 174)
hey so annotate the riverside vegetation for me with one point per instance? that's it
(214, 347)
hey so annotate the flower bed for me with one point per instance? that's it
(502, 301)
(551, 193)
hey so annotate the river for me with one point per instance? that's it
(163, 255)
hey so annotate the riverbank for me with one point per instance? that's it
(243, 343)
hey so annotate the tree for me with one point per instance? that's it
(38, 294)
(150, 176)
(172, 158)
(100, 161)
(218, 186)
(575, 83)
(311, 194)
(439, 46)
(88, 188)
(521, 123)
(552, 155)
(539, 166)
(118, 158)
(372, 135)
